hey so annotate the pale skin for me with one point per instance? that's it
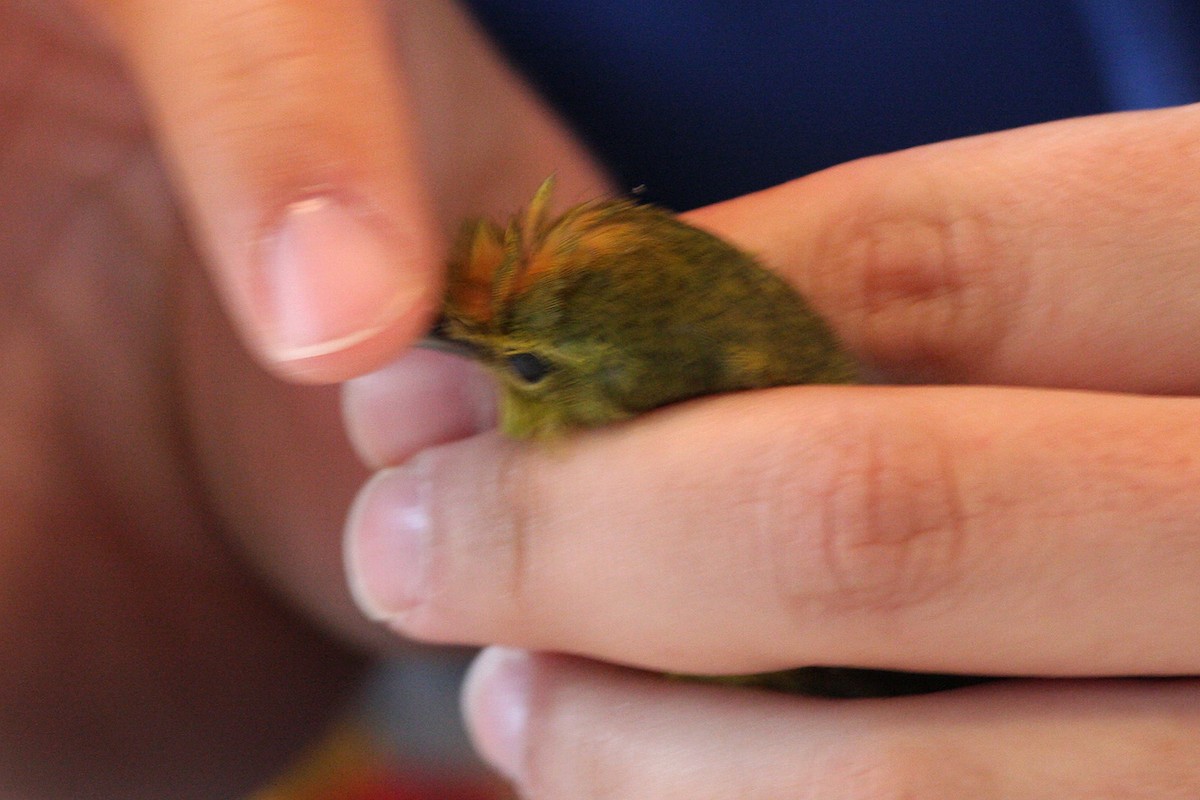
(1048, 531)
(170, 553)
(174, 618)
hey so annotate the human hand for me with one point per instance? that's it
(173, 618)
(1037, 520)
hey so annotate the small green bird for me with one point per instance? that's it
(615, 308)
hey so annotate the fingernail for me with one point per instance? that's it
(388, 542)
(496, 705)
(329, 280)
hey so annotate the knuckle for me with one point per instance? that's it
(259, 105)
(484, 512)
(890, 527)
(517, 514)
(920, 284)
(262, 43)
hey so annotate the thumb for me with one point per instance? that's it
(285, 127)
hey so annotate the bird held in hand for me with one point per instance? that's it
(615, 308)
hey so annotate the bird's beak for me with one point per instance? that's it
(438, 339)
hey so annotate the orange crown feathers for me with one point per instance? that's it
(491, 265)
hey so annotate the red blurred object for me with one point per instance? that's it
(349, 766)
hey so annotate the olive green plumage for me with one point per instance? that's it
(617, 308)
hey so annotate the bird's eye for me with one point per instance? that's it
(529, 367)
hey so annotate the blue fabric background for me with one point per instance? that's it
(700, 100)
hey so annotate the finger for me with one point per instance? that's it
(564, 728)
(1058, 255)
(421, 400)
(909, 528)
(285, 125)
